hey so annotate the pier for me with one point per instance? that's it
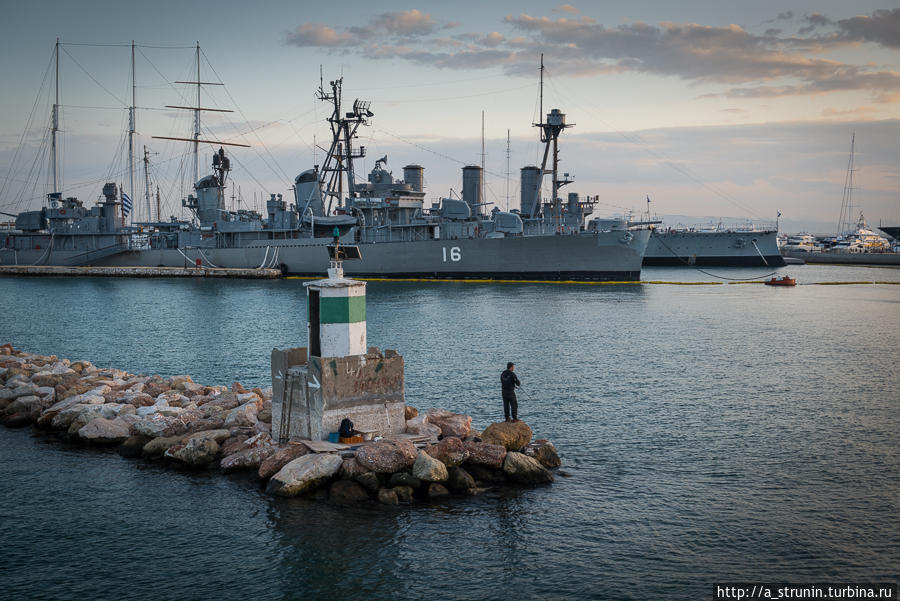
(141, 272)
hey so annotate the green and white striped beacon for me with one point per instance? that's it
(336, 307)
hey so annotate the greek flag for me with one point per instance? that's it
(126, 205)
(779, 213)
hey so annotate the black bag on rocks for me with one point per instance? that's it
(346, 429)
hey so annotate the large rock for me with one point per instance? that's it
(227, 401)
(510, 435)
(49, 414)
(351, 468)
(218, 435)
(485, 474)
(460, 481)
(165, 424)
(202, 425)
(234, 443)
(485, 453)
(67, 417)
(544, 452)
(450, 451)
(158, 446)
(419, 425)
(404, 493)
(274, 462)
(105, 431)
(522, 469)
(347, 492)
(429, 469)
(138, 399)
(451, 424)
(244, 415)
(30, 404)
(133, 445)
(437, 491)
(387, 457)
(304, 474)
(404, 479)
(197, 451)
(25, 389)
(386, 496)
(16, 420)
(369, 481)
(255, 450)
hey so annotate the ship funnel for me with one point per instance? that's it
(413, 175)
(307, 193)
(472, 188)
(530, 191)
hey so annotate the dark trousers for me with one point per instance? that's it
(510, 403)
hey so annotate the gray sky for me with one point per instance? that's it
(713, 110)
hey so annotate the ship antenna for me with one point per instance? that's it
(481, 200)
(541, 106)
(507, 169)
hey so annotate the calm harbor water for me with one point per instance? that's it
(710, 434)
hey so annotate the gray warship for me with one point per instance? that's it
(398, 234)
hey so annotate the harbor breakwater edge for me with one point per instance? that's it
(188, 425)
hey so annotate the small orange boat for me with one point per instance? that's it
(782, 281)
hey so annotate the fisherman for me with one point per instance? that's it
(508, 383)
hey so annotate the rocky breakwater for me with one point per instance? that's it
(185, 424)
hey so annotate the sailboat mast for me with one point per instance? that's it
(131, 137)
(846, 200)
(54, 127)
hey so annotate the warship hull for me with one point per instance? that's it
(723, 249)
(603, 256)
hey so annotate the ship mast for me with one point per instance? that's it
(196, 109)
(54, 127)
(131, 138)
(147, 154)
(197, 122)
(550, 129)
(339, 158)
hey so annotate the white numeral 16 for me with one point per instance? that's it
(455, 253)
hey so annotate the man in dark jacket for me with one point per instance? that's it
(508, 382)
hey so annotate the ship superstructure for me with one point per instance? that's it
(399, 233)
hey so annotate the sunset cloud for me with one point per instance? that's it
(751, 65)
(402, 25)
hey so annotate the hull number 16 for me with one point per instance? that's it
(455, 253)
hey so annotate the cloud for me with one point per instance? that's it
(314, 34)
(752, 65)
(567, 8)
(408, 24)
(883, 27)
(814, 21)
